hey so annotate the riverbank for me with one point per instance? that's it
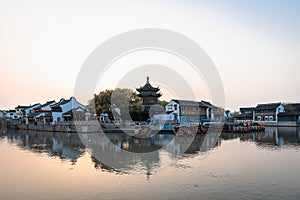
(66, 127)
(280, 123)
(95, 126)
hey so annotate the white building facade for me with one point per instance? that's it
(268, 112)
(64, 106)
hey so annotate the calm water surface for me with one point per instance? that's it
(44, 165)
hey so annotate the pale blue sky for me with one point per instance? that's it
(255, 45)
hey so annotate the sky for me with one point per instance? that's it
(254, 45)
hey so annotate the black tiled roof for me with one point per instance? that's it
(185, 102)
(26, 107)
(61, 101)
(148, 87)
(193, 103)
(207, 103)
(44, 105)
(247, 110)
(270, 106)
(292, 107)
(22, 107)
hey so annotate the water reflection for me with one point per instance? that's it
(62, 145)
(273, 137)
(3, 130)
(69, 147)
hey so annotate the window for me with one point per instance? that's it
(266, 118)
(259, 118)
(271, 118)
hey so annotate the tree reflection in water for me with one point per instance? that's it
(69, 147)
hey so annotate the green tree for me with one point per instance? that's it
(101, 102)
(163, 102)
(126, 100)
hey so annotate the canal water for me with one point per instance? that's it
(44, 165)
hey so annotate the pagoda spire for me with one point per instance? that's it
(147, 79)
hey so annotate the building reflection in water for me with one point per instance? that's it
(70, 147)
(62, 145)
(107, 155)
(273, 137)
(3, 130)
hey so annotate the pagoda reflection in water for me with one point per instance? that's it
(69, 147)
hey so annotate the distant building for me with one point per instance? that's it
(24, 111)
(50, 113)
(217, 113)
(291, 116)
(272, 114)
(79, 113)
(30, 109)
(60, 111)
(20, 110)
(149, 95)
(12, 115)
(292, 107)
(185, 111)
(44, 107)
(268, 112)
(246, 114)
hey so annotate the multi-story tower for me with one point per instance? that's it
(149, 95)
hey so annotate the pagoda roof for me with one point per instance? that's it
(148, 87)
(149, 94)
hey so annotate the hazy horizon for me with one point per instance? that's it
(254, 45)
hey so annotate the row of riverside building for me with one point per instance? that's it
(51, 112)
(271, 114)
(277, 114)
(192, 112)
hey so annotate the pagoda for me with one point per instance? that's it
(149, 95)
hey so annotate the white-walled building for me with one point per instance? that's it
(50, 112)
(44, 107)
(64, 106)
(42, 112)
(24, 111)
(12, 115)
(268, 112)
(20, 110)
(184, 111)
(246, 114)
(30, 109)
